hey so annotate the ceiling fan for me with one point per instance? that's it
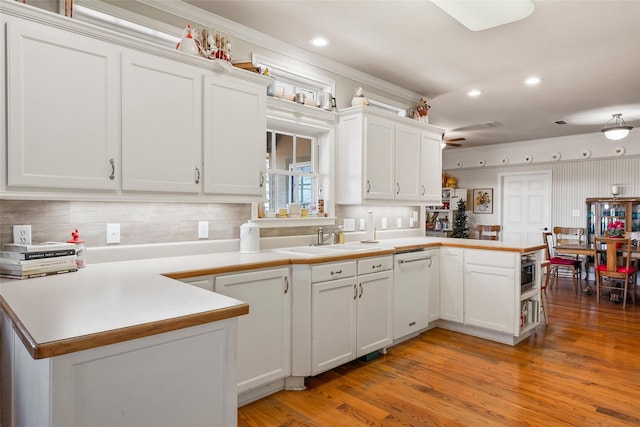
(453, 142)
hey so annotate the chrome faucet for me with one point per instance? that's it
(336, 232)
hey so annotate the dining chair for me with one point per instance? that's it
(571, 265)
(620, 276)
(572, 236)
(489, 232)
(546, 267)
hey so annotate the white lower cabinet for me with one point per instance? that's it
(264, 335)
(451, 284)
(184, 377)
(486, 288)
(352, 316)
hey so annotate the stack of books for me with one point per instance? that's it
(19, 261)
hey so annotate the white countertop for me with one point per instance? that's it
(111, 298)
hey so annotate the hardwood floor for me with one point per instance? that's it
(583, 369)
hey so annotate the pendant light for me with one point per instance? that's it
(616, 128)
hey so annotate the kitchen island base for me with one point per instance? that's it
(183, 377)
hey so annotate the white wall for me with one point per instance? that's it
(573, 178)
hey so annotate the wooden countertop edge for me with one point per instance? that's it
(86, 342)
(232, 268)
(499, 249)
(341, 257)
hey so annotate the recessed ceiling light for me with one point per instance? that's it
(473, 93)
(319, 41)
(532, 81)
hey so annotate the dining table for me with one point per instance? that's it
(588, 250)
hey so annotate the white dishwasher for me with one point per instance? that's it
(411, 292)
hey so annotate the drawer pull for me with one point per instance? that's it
(286, 283)
(376, 266)
(336, 272)
(407, 261)
(361, 291)
(113, 169)
(355, 291)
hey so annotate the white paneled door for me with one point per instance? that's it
(526, 206)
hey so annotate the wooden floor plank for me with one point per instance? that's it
(583, 369)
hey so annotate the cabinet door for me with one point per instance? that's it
(489, 297)
(431, 168)
(407, 163)
(433, 285)
(62, 109)
(234, 137)
(375, 310)
(161, 124)
(333, 324)
(379, 182)
(451, 284)
(264, 335)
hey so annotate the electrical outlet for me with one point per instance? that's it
(113, 233)
(411, 221)
(415, 216)
(22, 234)
(399, 223)
(203, 229)
(384, 223)
(349, 224)
(361, 224)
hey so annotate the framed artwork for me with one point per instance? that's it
(483, 200)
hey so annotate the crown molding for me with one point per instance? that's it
(194, 14)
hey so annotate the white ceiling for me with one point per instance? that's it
(586, 51)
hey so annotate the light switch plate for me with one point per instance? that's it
(384, 224)
(399, 223)
(113, 233)
(415, 216)
(349, 224)
(203, 229)
(411, 221)
(361, 224)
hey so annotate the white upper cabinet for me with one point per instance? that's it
(161, 124)
(407, 163)
(235, 127)
(378, 178)
(430, 167)
(380, 157)
(96, 114)
(62, 109)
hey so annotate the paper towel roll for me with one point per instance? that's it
(368, 226)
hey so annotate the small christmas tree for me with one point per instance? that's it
(460, 229)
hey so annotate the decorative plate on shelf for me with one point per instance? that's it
(618, 151)
(555, 157)
(504, 161)
(528, 158)
(585, 154)
(459, 164)
(481, 163)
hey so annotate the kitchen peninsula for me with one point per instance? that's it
(127, 341)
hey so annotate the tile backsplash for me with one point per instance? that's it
(139, 222)
(152, 222)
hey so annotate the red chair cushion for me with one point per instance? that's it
(564, 261)
(619, 269)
